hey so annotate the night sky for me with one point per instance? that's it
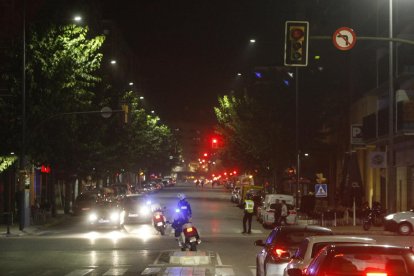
(189, 51)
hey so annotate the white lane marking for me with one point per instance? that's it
(218, 259)
(116, 271)
(79, 272)
(224, 271)
(151, 271)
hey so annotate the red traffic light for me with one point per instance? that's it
(296, 33)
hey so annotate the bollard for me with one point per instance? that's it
(323, 223)
(334, 219)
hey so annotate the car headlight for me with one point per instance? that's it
(114, 216)
(93, 217)
(389, 217)
(144, 210)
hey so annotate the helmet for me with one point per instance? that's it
(249, 196)
(181, 196)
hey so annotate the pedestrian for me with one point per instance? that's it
(278, 211)
(283, 213)
(248, 213)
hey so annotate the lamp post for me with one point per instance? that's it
(390, 159)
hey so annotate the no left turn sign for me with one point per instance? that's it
(344, 38)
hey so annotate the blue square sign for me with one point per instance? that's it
(321, 190)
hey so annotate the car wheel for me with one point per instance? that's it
(405, 229)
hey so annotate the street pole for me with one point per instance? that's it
(22, 174)
(297, 135)
(390, 167)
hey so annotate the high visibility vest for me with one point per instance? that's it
(249, 206)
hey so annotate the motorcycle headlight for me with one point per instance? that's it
(144, 210)
(93, 217)
(114, 216)
(389, 217)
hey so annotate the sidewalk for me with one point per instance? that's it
(14, 231)
(355, 230)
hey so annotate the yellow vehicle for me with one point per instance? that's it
(246, 188)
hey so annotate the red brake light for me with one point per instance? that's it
(189, 229)
(278, 252)
(376, 274)
(157, 217)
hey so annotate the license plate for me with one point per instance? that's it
(159, 223)
(193, 239)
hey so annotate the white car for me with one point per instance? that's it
(310, 246)
(401, 222)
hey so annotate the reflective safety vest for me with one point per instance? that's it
(249, 204)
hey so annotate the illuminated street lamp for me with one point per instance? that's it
(77, 18)
(252, 40)
(131, 83)
(141, 98)
(113, 61)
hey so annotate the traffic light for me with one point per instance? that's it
(214, 143)
(296, 43)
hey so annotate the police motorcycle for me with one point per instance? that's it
(185, 233)
(158, 219)
(373, 216)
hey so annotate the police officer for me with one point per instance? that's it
(248, 213)
(184, 206)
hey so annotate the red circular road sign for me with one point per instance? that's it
(344, 38)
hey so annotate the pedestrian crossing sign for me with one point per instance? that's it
(321, 190)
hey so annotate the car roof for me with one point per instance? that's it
(377, 248)
(340, 238)
(299, 227)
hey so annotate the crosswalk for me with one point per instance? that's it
(153, 271)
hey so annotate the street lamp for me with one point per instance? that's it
(252, 40)
(113, 61)
(77, 18)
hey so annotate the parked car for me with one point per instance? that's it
(401, 222)
(108, 214)
(137, 207)
(85, 202)
(361, 259)
(281, 244)
(268, 213)
(310, 247)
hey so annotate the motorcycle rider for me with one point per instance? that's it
(184, 206)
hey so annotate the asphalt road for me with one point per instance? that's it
(71, 248)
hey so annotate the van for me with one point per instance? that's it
(266, 214)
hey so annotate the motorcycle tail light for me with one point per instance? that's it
(189, 230)
(157, 217)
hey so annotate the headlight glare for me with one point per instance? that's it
(144, 210)
(114, 216)
(93, 217)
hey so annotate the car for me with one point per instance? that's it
(401, 222)
(281, 244)
(137, 207)
(360, 260)
(267, 214)
(106, 214)
(85, 202)
(310, 246)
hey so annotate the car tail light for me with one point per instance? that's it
(376, 274)
(279, 252)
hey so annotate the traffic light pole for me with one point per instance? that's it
(297, 135)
